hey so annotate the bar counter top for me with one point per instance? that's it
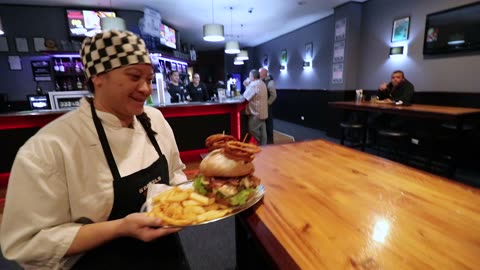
(159, 106)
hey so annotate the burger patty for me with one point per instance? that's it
(217, 182)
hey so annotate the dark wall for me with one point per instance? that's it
(295, 76)
(445, 73)
(36, 21)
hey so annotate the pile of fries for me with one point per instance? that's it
(183, 207)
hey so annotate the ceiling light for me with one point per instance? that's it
(112, 23)
(1, 27)
(232, 47)
(242, 55)
(237, 62)
(213, 32)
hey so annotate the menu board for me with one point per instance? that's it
(86, 22)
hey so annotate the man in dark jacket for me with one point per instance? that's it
(399, 90)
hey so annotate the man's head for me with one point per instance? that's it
(263, 73)
(174, 76)
(196, 78)
(398, 77)
(254, 75)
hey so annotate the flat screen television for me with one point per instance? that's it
(167, 36)
(86, 23)
(453, 30)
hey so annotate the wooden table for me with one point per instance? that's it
(446, 113)
(327, 206)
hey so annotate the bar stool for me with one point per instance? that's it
(352, 127)
(398, 139)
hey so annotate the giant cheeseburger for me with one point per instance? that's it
(226, 173)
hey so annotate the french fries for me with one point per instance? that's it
(182, 207)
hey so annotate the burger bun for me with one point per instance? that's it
(216, 164)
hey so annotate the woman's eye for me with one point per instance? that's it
(134, 77)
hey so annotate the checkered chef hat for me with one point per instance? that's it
(112, 49)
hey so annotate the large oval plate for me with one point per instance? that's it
(257, 196)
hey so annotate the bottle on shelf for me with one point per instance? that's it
(69, 85)
(38, 89)
(61, 67)
(79, 84)
(78, 69)
(57, 86)
(55, 66)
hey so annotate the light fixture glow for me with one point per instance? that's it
(1, 27)
(232, 47)
(237, 61)
(213, 32)
(456, 42)
(396, 50)
(242, 55)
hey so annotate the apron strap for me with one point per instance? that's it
(104, 142)
(151, 136)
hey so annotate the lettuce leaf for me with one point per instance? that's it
(241, 197)
(198, 186)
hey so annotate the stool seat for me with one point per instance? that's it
(453, 126)
(358, 127)
(392, 133)
(351, 125)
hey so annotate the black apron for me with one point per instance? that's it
(129, 253)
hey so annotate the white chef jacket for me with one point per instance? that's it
(61, 174)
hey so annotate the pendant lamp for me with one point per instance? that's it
(213, 32)
(242, 55)
(232, 47)
(237, 61)
(112, 23)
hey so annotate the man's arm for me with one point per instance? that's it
(407, 93)
(273, 92)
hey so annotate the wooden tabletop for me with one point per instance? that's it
(415, 110)
(330, 207)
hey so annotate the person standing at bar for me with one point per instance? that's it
(197, 90)
(176, 89)
(272, 95)
(77, 185)
(257, 107)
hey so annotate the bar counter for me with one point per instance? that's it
(327, 206)
(191, 123)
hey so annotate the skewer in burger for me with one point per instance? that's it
(226, 173)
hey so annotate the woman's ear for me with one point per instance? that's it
(97, 81)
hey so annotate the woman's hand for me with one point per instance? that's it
(140, 226)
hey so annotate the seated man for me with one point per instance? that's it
(398, 90)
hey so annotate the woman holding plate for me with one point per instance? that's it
(77, 185)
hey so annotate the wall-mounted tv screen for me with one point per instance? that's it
(86, 23)
(167, 37)
(453, 30)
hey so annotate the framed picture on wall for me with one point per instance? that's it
(401, 28)
(308, 51)
(283, 58)
(265, 60)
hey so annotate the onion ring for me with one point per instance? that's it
(217, 141)
(240, 151)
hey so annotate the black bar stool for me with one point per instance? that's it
(351, 128)
(397, 139)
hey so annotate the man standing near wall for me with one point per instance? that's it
(272, 95)
(257, 108)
